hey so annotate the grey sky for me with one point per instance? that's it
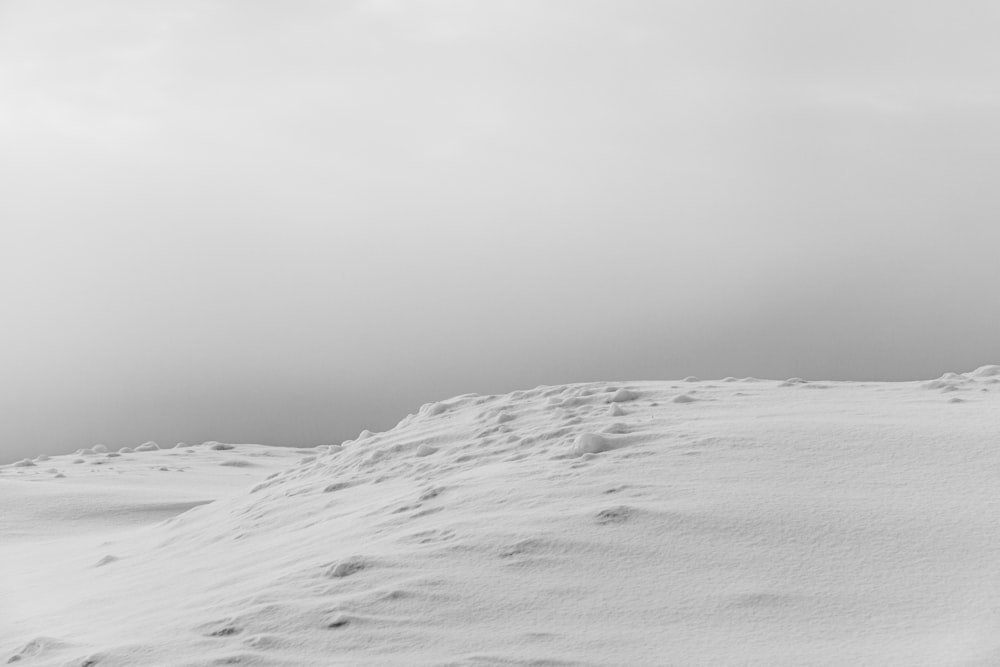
(287, 221)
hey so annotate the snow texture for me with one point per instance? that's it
(786, 523)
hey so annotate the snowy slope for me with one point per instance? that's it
(735, 522)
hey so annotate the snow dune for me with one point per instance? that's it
(730, 522)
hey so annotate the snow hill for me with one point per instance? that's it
(730, 522)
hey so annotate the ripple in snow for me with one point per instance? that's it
(339, 621)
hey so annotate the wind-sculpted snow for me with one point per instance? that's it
(695, 522)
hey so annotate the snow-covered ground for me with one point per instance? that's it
(730, 522)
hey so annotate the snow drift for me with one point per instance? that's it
(740, 522)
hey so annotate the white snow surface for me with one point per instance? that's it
(751, 522)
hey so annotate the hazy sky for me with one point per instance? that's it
(284, 222)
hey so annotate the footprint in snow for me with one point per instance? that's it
(619, 514)
(35, 648)
(348, 566)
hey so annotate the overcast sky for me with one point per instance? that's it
(284, 222)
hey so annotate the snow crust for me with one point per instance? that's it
(731, 522)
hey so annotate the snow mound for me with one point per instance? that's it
(592, 443)
(623, 395)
